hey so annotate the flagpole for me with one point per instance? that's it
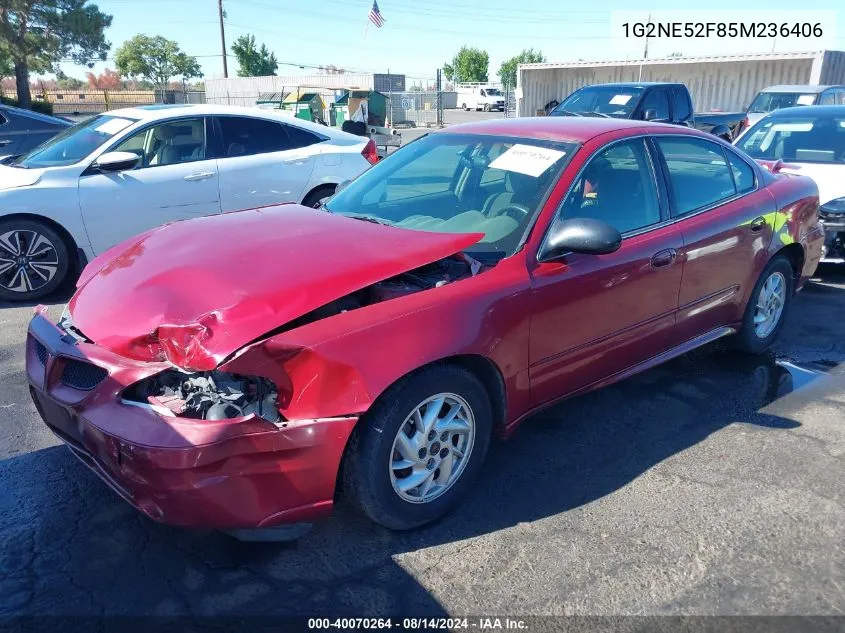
(366, 28)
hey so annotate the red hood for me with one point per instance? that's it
(194, 292)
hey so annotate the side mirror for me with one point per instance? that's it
(117, 161)
(580, 235)
(650, 114)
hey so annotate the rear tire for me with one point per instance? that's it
(316, 198)
(445, 460)
(768, 306)
(34, 259)
(464, 106)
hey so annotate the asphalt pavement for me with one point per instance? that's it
(710, 485)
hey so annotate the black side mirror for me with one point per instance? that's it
(650, 114)
(580, 235)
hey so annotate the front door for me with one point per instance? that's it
(175, 180)
(596, 315)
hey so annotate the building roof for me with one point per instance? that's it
(682, 60)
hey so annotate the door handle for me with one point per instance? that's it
(664, 258)
(199, 176)
(757, 224)
(6, 141)
(296, 161)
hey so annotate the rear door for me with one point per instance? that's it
(593, 316)
(176, 179)
(726, 222)
(262, 161)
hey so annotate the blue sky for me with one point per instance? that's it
(420, 35)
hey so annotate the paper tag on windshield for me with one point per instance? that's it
(113, 126)
(528, 160)
(620, 99)
(806, 99)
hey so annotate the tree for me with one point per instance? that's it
(252, 61)
(109, 80)
(507, 71)
(155, 59)
(7, 68)
(63, 82)
(36, 34)
(470, 64)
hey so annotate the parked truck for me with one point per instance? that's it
(480, 96)
(649, 101)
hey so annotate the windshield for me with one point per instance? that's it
(74, 143)
(612, 101)
(459, 183)
(770, 101)
(493, 92)
(798, 139)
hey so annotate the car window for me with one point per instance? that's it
(840, 96)
(680, 105)
(297, 137)
(800, 139)
(698, 172)
(827, 98)
(743, 174)
(434, 185)
(618, 187)
(614, 101)
(169, 143)
(771, 101)
(3, 120)
(246, 136)
(658, 101)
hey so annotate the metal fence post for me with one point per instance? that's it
(439, 88)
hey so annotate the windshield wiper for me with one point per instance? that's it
(368, 218)
(568, 113)
(602, 114)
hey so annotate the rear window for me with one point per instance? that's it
(771, 101)
(798, 139)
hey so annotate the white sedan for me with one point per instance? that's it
(123, 172)
(809, 141)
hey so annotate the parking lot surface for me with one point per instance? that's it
(710, 485)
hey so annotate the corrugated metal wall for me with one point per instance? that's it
(244, 91)
(714, 85)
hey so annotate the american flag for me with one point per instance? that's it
(376, 16)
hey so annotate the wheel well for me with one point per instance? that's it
(795, 254)
(325, 185)
(72, 248)
(490, 376)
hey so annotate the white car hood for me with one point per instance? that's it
(13, 177)
(830, 178)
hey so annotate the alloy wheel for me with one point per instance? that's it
(432, 448)
(28, 260)
(770, 303)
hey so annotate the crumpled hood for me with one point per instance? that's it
(13, 177)
(194, 292)
(830, 178)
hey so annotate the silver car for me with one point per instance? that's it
(22, 130)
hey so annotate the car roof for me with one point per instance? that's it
(806, 88)
(31, 114)
(160, 112)
(554, 128)
(634, 84)
(813, 111)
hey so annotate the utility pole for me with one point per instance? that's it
(223, 37)
(645, 52)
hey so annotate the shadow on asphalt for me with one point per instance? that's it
(73, 547)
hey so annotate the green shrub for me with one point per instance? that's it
(44, 107)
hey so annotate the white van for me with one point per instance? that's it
(479, 96)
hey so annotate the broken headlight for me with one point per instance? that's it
(208, 395)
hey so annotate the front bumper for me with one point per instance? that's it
(833, 251)
(238, 473)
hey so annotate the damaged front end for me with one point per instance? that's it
(208, 395)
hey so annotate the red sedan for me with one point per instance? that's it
(228, 372)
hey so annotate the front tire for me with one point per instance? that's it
(34, 259)
(416, 453)
(318, 197)
(767, 307)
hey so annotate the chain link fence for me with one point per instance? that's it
(510, 104)
(416, 109)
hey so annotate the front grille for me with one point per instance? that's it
(80, 375)
(40, 351)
